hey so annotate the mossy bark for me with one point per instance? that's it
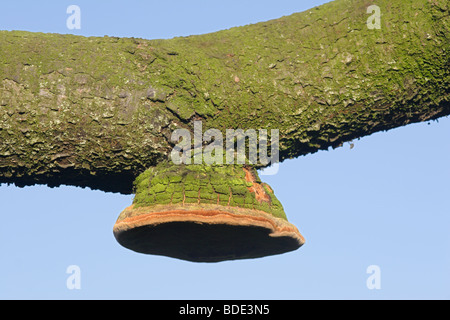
(97, 112)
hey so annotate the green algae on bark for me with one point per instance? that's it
(97, 112)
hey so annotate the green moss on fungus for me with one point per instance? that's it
(225, 185)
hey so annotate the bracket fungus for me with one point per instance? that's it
(205, 213)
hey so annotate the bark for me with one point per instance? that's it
(96, 112)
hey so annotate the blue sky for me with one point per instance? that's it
(383, 202)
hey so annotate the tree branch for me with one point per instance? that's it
(96, 112)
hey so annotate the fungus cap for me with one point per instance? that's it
(205, 214)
